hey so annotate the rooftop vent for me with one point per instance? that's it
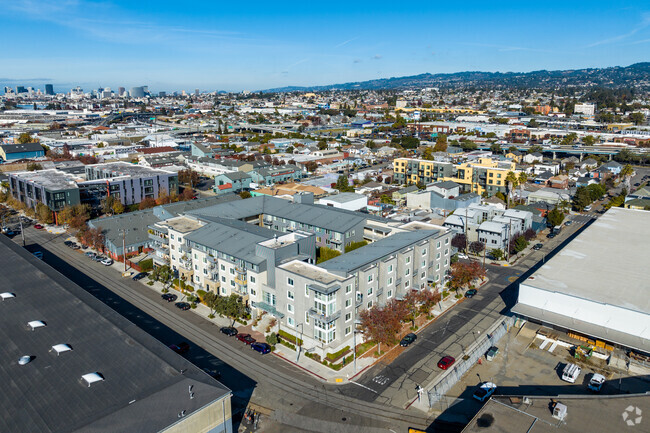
(91, 378)
(34, 324)
(24, 360)
(60, 348)
(7, 295)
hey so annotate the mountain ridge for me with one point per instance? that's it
(636, 75)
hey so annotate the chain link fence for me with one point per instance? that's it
(471, 356)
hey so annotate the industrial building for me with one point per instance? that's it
(597, 285)
(69, 363)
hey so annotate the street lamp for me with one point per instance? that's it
(302, 328)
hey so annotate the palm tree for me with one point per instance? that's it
(626, 173)
(522, 179)
(511, 183)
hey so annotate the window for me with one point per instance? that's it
(348, 288)
(424, 263)
(408, 272)
(446, 251)
(307, 317)
(407, 283)
(438, 244)
(438, 256)
(408, 260)
(232, 271)
(306, 290)
(290, 308)
(290, 281)
(390, 281)
(389, 294)
(424, 252)
(290, 321)
(223, 268)
(252, 278)
(348, 330)
(324, 332)
(423, 274)
(348, 303)
(371, 278)
(268, 298)
(290, 294)
(348, 316)
(369, 305)
(390, 268)
(370, 291)
(447, 241)
(446, 262)
(223, 279)
(437, 266)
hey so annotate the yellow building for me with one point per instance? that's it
(483, 175)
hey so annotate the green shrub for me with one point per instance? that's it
(272, 339)
(149, 283)
(210, 316)
(201, 293)
(146, 265)
(286, 336)
(336, 355)
(192, 305)
(289, 345)
(363, 347)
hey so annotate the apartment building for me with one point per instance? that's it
(478, 176)
(54, 188)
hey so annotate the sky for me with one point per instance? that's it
(250, 45)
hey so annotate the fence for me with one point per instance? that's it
(437, 391)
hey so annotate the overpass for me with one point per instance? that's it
(580, 152)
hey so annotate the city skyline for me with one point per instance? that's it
(256, 46)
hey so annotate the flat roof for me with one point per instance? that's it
(343, 197)
(312, 272)
(127, 169)
(183, 224)
(51, 179)
(595, 414)
(606, 263)
(140, 374)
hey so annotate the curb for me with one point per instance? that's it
(300, 366)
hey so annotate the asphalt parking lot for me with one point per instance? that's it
(523, 368)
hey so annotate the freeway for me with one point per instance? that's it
(298, 399)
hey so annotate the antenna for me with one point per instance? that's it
(181, 414)
(190, 388)
(191, 395)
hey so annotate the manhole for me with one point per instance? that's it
(344, 419)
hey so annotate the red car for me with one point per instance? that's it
(446, 362)
(38, 226)
(245, 338)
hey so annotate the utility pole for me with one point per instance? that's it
(124, 247)
(22, 232)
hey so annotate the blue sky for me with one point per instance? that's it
(215, 45)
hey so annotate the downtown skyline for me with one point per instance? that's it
(255, 46)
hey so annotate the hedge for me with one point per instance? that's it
(146, 265)
(336, 355)
(289, 337)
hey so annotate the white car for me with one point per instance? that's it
(107, 261)
(484, 391)
(462, 256)
(596, 382)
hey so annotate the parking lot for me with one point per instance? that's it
(522, 367)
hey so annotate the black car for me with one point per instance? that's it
(229, 331)
(408, 339)
(183, 306)
(68, 243)
(140, 276)
(537, 247)
(180, 347)
(470, 293)
(169, 297)
(212, 373)
(550, 235)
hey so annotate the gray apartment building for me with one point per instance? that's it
(54, 188)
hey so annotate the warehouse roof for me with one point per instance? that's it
(113, 375)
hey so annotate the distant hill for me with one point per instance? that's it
(636, 75)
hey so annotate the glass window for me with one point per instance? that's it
(290, 308)
(370, 291)
(290, 321)
(371, 278)
(290, 294)
(408, 260)
(348, 330)
(390, 268)
(348, 316)
(390, 281)
(290, 281)
(389, 294)
(252, 278)
(348, 303)
(348, 288)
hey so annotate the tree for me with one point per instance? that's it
(463, 274)
(325, 254)
(118, 207)
(518, 244)
(44, 214)
(311, 166)
(626, 173)
(147, 203)
(511, 183)
(162, 273)
(428, 154)
(497, 254)
(386, 199)
(530, 234)
(477, 247)
(211, 300)
(342, 184)
(581, 198)
(188, 177)
(381, 324)
(245, 194)
(75, 216)
(495, 148)
(459, 241)
(589, 140)
(354, 245)
(163, 197)
(637, 118)
(25, 137)
(522, 179)
(33, 166)
(322, 145)
(555, 217)
(441, 143)
(596, 191)
(534, 149)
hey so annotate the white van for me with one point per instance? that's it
(570, 373)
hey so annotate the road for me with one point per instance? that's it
(268, 381)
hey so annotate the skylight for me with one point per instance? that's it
(36, 324)
(60, 348)
(91, 378)
(7, 295)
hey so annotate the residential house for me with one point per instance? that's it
(14, 152)
(532, 158)
(232, 182)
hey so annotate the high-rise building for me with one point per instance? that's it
(162, 94)
(137, 92)
(21, 89)
(196, 92)
(121, 91)
(49, 89)
(8, 90)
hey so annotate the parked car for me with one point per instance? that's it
(99, 258)
(90, 254)
(262, 348)
(212, 373)
(462, 256)
(550, 235)
(180, 347)
(68, 243)
(446, 362)
(139, 276)
(169, 297)
(568, 223)
(596, 382)
(38, 226)
(75, 246)
(183, 306)
(229, 331)
(491, 353)
(570, 373)
(470, 293)
(484, 391)
(408, 339)
(538, 247)
(107, 262)
(587, 208)
(245, 338)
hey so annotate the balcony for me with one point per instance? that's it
(159, 237)
(240, 281)
(324, 318)
(380, 291)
